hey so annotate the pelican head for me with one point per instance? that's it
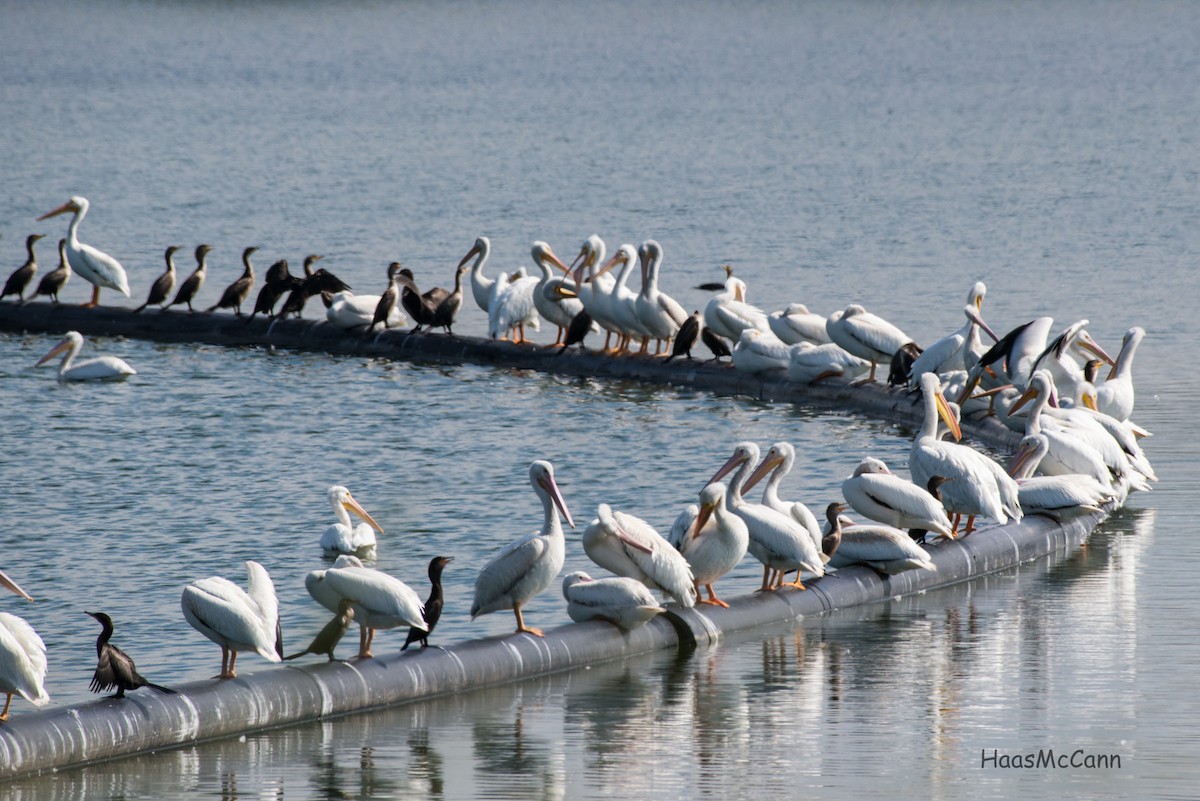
(481, 248)
(711, 497)
(742, 452)
(76, 205)
(339, 495)
(870, 464)
(13, 587)
(931, 387)
(71, 342)
(542, 254)
(541, 476)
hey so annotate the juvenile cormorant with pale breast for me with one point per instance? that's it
(236, 293)
(53, 281)
(160, 290)
(16, 283)
(192, 284)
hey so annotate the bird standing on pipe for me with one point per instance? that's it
(114, 667)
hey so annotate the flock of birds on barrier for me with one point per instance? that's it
(1080, 454)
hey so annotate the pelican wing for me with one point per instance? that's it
(379, 594)
(22, 660)
(99, 369)
(872, 332)
(972, 485)
(657, 558)
(227, 615)
(891, 500)
(882, 547)
(99, 268)
(500, 576)
(671, 306)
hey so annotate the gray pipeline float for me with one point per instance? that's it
(144, 722)
(206, 710)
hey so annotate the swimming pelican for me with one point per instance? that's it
(22, 656)
(331, 633)
(777, 463)
(192, 284)
(160, 290)
(809, 363)
(660, 314)
(777, 540)
(53, 281)
(236, 293)
(235, 619)
(756, 351)
(114, 667)
(554, 296)
(727, 314)
(344, 538)
(23, 275)
(975, 484)
(97, 268)
(796, 324)
(622, 601)
(865, 335)
(877, 493)
(433, 604)
(629, 546)
(349, 311)
(526, 566)
(715, 541)
(884, 549)
(1115, 396)
(102, 368)
(380, 601)
(1060, 497)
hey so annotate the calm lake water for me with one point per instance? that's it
(889, 154)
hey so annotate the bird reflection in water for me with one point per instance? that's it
(511, 762)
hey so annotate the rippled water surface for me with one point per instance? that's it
(832, 153)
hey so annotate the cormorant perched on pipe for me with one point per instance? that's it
(160, 290)
(433, 607)
(277, 281)
(314, 283)
(16, 283)
(53, 281)
(329, 636)
(715, 344)
(114, 668)
(236, 293)
(191, 285)
(580, 327)
(686, 338)
(388, 300)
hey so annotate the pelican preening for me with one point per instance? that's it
(22, 656)
(99, 269)
(865, 335)
(343, 537)
(379, 601)
(23, 275)
(102, 368)
(114, 668)
(629, 546)
(528, 565)
(622, 601)
(235, 619)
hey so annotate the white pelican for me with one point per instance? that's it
(349, 311)
(481, 285)
(23, 275)
(776, 539)
(865, 335)
(756, 351)
(884, 549)
(629, 546)
(1060, 497)
(681, 529)
(22, 656)
(619, 600)
(727, 313)
(975, 484)
(809, 363)
(621, 304)
(877, 493)
(1114, 397)
(97, 268)
(796, 324)
(554, 296)
(160, 290)
(53, 281)
(235, 619)
(1014, 354)
(660, 314)
(344, 538)
(592, 287)
(380, 601)
(528, 565)
(1085, 415)
(103, 368)
(715, 542)
(1058, 357)
(951, 351)
(777, 463)
(512, 306)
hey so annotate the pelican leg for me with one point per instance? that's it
(954, 525)
(4, 714)
(232, 670)
(364, 643)
(95, 301)
(224, 663)
(521, 627)
(970, 525)
(767, 576)
(712, 598)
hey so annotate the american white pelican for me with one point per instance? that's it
(481, 285)
(776, 539)
(1085, 415)
(160, 290)
(950, 352)
(715, 542)
(53, 281)
(343, 537)
(809, 363)
(1014, 354)
(622, 601)
(796, 324)
(727, 314)
(1060, 497)
(629, 546)
(1115, 396)
(349, 311)
(102, 368)
(756, 351)
(23, 275)
(379, 601)
(621, 304)
(681, 529)
(593, 288)
(433, 604)
(775, 465)
(22, 656)
(554, 296)
(882, 548)
(975, 484)
(1058, 357)
(877, 493)
(528, 565)
(235, 619)
(330, 634)
(97, 268)
(191, 285)
(512, 307)
(236, 293)
(115, 669)
(865, 335)
(660, 314)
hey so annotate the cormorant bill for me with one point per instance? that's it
(433, 606)
(114, 667)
